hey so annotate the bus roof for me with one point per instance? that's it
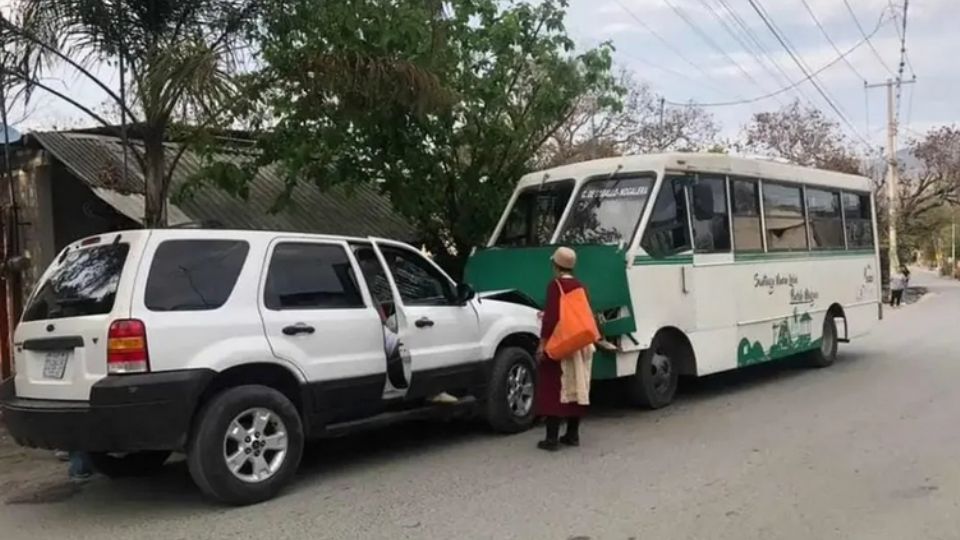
(702, 162)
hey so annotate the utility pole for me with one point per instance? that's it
(893, 171)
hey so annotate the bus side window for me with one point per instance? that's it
(826, 225)
(747, 235)
(856, 212)
(711, 227)
(783, 210)
(668, 231)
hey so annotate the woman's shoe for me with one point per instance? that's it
(570, 441)
(549, 446)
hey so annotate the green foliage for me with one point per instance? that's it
(180, 60)
(443, 104)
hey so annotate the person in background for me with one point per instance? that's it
(563, 388)
(80, 469)
(898, 284)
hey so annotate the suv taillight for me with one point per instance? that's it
(127, 347)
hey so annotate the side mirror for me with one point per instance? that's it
(702, 201)
(465, 293)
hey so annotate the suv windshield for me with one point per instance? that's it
(535, 215)
(84, 283)
(607, 211)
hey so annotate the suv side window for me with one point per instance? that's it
(668, 231)
(194, 275)
(310, 276)
(420, 284)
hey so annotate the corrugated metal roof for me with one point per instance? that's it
(97, 160)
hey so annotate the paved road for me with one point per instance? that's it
(867, 449)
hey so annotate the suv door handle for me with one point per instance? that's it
(423, 322)
(299, 328)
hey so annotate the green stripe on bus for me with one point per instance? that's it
(646, 260)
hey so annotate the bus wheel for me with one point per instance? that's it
(826, 353)
(655, 382)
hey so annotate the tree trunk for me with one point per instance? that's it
(155, 188)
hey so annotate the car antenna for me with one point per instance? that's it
(543, 181)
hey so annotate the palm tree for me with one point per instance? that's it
(184, 60)
(181, 58)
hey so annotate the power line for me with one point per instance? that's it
(713, 44)
(743, 43)
(803, 68)
(663, 40)
(864, 34)
(762, 48)
(829, 39)
(658, 66)
(809, 77)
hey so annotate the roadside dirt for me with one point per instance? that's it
(29, 476)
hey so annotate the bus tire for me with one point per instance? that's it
(655, 382)
(824, 355)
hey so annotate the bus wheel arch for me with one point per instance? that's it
(658, 369)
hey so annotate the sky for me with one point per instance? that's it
(684, 51)
(697, 51)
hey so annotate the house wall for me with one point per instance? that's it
(35, 201)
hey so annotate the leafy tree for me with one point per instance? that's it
(802, 135)
(510, 75)
(644, 123)
(927, 192)
(179, 57)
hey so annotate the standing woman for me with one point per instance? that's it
(563, 384)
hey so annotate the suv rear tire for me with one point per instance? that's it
(126, 465)
(511, 391)
(246, 445)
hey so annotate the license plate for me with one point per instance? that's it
(55, 364)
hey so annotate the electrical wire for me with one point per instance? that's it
(755, 39)
(804, 69)
(903, 56)
(711, 43)
(743, 43)
(830, 40)
(809, 77)
(665, 42)
(864, 34)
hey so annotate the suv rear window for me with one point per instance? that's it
(194, 275)
(84, 283)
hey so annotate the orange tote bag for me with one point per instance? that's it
(576, 327)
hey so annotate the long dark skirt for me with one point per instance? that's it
(548, 393)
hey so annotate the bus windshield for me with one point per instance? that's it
(535, 215)
(607, 211)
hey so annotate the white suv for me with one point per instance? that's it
(236, 346)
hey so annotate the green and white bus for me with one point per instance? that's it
(697, 263)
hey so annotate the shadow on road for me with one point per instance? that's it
(172, 490)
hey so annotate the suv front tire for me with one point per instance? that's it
(511, 391)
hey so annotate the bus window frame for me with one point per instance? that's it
(688, 194)
(843, 221)
(628, 243)
(542, 186)
(763, 224)
(871, 202)
(806, 221)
